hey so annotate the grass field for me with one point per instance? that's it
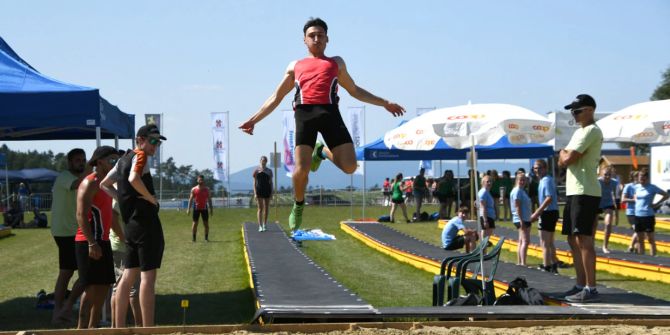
(213, 276)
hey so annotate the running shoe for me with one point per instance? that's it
(316, 156)
(574, 290)
(585, 296)
(260, 227)
(295, 219)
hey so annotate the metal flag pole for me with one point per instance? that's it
(160, 171)
(364, 179)
(228, 155)
(274, 192)
(351, 197)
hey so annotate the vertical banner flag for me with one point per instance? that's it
(220, 145)
(356, 127)
(155, 160)
(288, 134)
(428, 167)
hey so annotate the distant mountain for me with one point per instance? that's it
(330, 177)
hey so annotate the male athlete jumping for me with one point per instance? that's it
(316, 111)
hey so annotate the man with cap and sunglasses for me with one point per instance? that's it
(580, 215)
(144, 233)
(92, 245)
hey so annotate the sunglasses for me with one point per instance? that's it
(577, 111)
(154, 141)
(112, 161)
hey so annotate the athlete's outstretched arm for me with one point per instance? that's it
(272, 102)
(361, 94)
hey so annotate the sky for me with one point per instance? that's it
(187, 59)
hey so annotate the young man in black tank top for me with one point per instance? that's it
(317, 113)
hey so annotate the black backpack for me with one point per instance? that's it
(518, 293)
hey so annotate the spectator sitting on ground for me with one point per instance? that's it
(450, 238)
(13, 216)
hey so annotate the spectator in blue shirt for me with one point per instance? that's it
(645, 210)
(450, 238)
(487, 212)
(628, 198)
(608, 187)
(521, 206)
(547, 213)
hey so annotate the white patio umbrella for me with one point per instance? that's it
(469, 125)
(646, 122)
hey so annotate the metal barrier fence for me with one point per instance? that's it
(238, 199)
(245, 199)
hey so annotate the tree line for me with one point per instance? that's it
(175, 178)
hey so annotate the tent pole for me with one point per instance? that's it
(473, 158)
(458, 185)
(116, 142)
(98, 137)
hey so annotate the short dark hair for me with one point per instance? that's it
(464, 209)
(315, 22)
(201, 176)
(75, 152)
(643, 172)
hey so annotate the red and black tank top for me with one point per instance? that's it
(100, 215)
(316, 81)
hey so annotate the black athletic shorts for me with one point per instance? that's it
(548, 221)
(324, 119)
(456, 243)
(617, 202)
(580, 214)
(67, 257)
(490, 221)
(200, 212)
(398, 201)
(645, 224)
(631, 220)
(602, 209)
(95, 271)
(144, 238)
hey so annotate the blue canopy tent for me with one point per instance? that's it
(36, 107)
(29, 175)
(503, 149)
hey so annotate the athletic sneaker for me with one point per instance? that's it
(295, 219)
(586, 295)
(574, 290)
(260, 227)
(316, 156)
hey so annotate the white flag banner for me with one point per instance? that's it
(220, 145)
(428, 168)
(356, 127)
(288, 134)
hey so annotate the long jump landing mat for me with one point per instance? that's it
(645, 267)
(428, 257)
(289, 285)
(622, 233)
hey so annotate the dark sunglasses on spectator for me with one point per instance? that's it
(112, 161)
(154, 141)
(577, 111)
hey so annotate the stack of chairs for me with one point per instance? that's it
(453, 275)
